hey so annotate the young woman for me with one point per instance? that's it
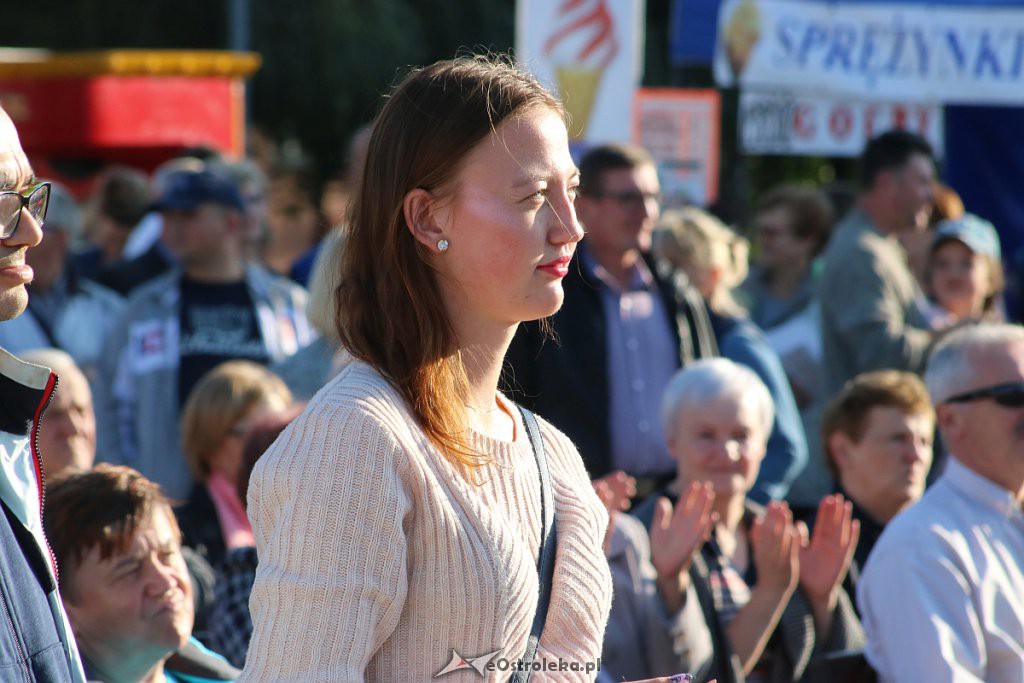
(399, 518)
(964, 273)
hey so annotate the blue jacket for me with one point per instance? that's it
(742, 342)
(36, 643)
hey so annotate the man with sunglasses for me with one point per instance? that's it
(942, 596)
(37, 645)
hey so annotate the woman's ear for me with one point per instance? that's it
(421, 217)
(839, 445)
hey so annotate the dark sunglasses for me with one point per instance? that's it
(1007, 395)
(13, 204)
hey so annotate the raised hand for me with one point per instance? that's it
(676, 536)
(615, 490)
(776, 549)
(776, 543)
(826, 557)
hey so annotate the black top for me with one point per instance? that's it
(218, 323)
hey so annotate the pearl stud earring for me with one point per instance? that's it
(442, 245)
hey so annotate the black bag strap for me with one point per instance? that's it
(548, 543)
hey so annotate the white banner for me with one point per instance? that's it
(888, 52)
(591, 53)
(806, 124)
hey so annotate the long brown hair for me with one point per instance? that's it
(389, 309)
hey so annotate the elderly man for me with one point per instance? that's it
(124, 580)
(942, 596)
(65, 310)
(213, 307)
(37, 645)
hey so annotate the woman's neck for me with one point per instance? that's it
(730, 510)
(483, 355)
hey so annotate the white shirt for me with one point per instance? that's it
(942, 595)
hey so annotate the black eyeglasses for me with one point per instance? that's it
(12, 204)
(630, 197)
(1007, 395)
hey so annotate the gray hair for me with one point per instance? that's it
(953, 362)
(712, 378)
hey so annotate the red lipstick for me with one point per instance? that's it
(558, 268)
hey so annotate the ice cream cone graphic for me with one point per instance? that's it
(581, 46)
(741, 34)
(578, 86)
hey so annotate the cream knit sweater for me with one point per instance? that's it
(377, 559)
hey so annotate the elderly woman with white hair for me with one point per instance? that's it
(714, 258)
(772, 597)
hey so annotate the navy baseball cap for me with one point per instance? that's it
(186, 190)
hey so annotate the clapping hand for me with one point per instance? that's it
(676, 535)
(776, 543)
(615, 490)
(826, 557)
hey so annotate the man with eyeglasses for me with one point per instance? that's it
(942, 596)
(626, 326)
(37, 644)
(65, 310)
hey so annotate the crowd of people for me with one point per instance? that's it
(482, 409)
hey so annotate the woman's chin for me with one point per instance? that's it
(546, 305)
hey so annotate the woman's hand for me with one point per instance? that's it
(776, 544)
(826, 557)
(676, 536)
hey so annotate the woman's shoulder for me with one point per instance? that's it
(357, 412)
(360, 391)
(559, 448)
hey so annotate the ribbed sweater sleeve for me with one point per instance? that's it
(331, 581)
